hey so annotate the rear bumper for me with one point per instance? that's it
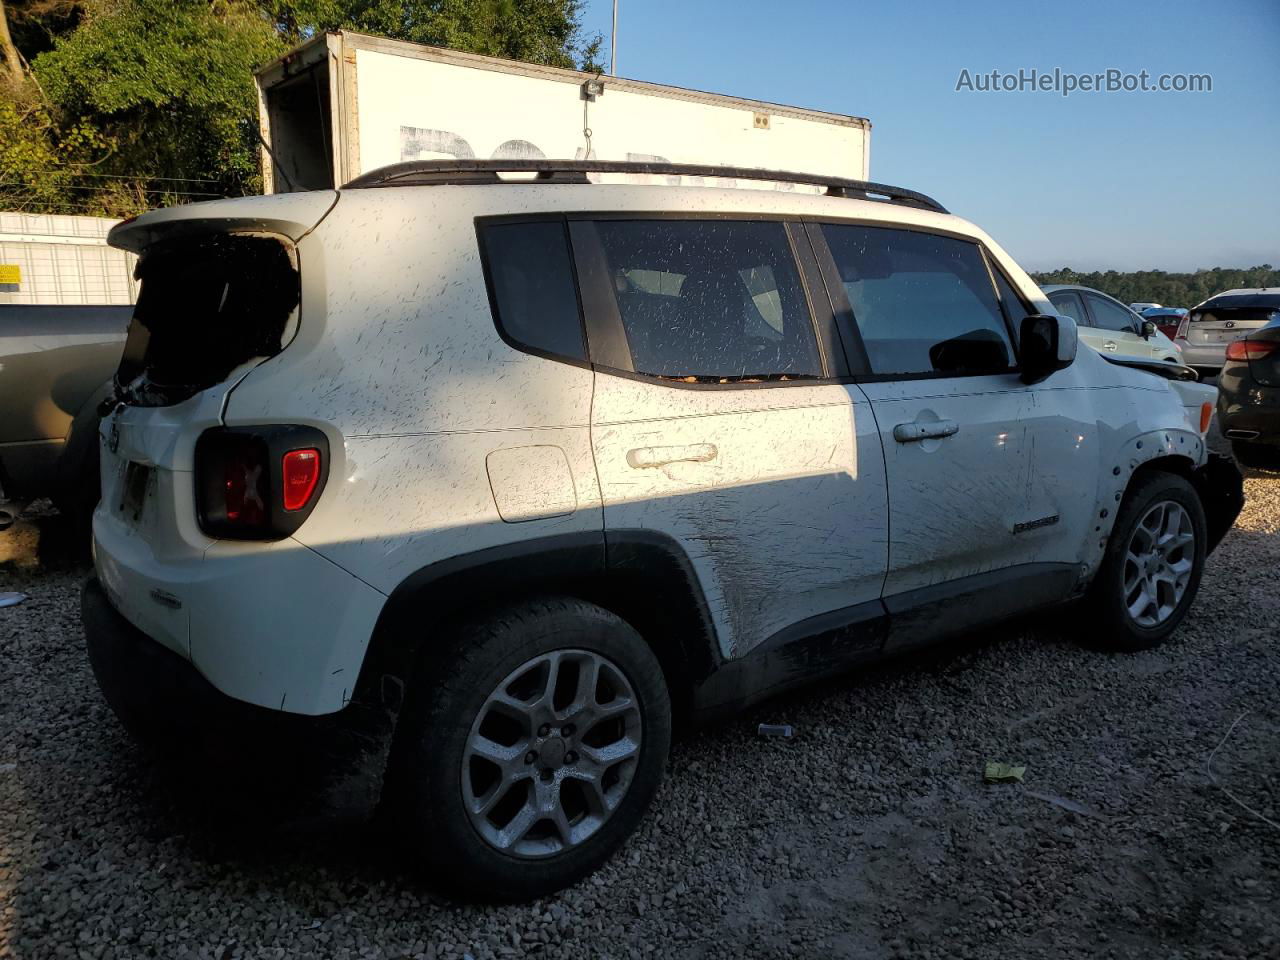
(1203, 354)
(273, 624)
(1246, 408)
(330, 766)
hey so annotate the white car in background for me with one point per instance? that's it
(1209, 327)
(1109, 326)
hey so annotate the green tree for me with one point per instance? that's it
(115, 106)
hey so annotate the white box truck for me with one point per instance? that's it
(345, 103)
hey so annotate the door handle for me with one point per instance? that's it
(643, 457)
(911, 432)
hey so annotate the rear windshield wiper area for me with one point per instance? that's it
(206, 306)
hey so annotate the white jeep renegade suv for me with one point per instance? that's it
(492, 478)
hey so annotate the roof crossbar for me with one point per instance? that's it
(453, 172)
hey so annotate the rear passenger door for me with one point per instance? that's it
(974, 457)
(717, 425)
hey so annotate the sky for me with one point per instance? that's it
(1095, 180)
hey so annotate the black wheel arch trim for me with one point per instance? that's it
(640, 575)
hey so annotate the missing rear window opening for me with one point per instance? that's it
(206, 306)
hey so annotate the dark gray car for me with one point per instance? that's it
(57, 363)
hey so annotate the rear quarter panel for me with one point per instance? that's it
(398, 359)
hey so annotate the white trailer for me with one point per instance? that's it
(346, 103)
(60, 260)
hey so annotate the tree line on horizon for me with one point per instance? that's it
(1167, 289)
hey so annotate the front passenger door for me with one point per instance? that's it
(973, 512)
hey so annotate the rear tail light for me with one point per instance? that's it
(1251, 349)
(300, 472)
(1183, 328)
(260, 482)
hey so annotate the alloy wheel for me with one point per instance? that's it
(551, 753)
(1158, 563)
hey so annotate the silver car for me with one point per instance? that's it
(1209, 327)
(1110, 327)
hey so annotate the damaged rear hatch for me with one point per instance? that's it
(221, 290)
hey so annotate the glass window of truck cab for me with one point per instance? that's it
(923, 304)
(704, 301)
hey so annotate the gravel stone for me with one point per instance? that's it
(869, 834)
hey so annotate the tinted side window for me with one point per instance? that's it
(710, 301)
(1068, 304)
(923, 303)
(1110, 316)
(531, 286)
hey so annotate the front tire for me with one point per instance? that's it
(530, 750)
(1154, 560)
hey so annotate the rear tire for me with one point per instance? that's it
(504, 779)
(1152, 567)
(77, 484)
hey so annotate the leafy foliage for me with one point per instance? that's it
(38, 158)
(1168, 289)
(536, 31)
(122, 105)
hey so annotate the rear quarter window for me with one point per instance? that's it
(532, 289)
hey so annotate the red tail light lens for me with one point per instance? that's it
(1251, 349)
(300, 470)
(1183, 328)
(259, 482)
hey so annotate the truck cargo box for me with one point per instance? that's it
(346, 103)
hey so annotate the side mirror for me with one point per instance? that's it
(1047, 344)
(1149, 329)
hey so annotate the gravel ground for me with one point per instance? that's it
(870, 834)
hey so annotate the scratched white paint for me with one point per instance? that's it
(778, 494)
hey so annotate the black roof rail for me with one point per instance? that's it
(440, 172)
